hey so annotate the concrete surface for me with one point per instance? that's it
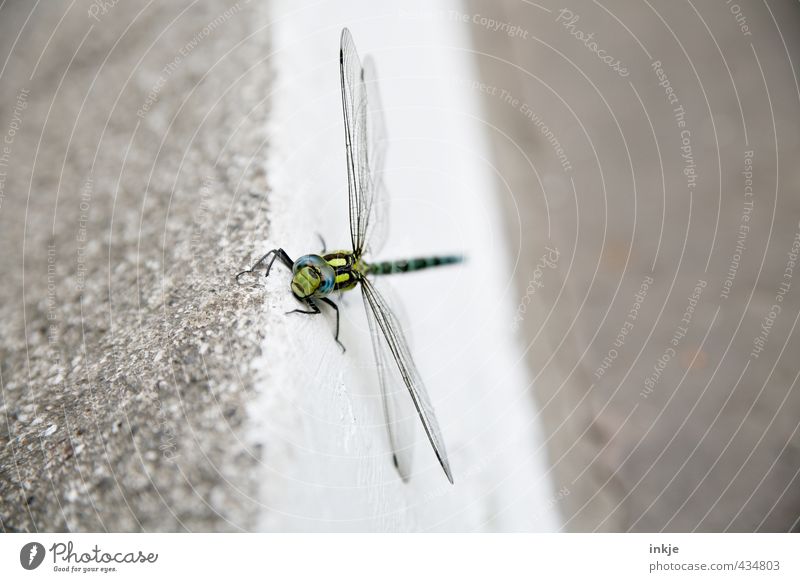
(163, 148)
(125, 350)
(668, 390)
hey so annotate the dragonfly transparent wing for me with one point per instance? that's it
(365, 145)
(381, 318)
(399, 420)
(378, 223)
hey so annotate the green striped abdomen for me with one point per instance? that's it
(408, 265)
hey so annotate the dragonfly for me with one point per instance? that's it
(316, 277)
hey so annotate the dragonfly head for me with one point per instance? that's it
(312, 276)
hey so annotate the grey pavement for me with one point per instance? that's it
(654, 147)
(135, 178)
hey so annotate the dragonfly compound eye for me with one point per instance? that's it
(313, 276)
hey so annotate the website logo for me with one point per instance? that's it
(31, 555)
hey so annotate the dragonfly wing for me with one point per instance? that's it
(354, 107)
(399, 423)
(365, 142)
(378, 223)
(380, 315)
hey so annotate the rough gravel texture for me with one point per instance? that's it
(134, 191)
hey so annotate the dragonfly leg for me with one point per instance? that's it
(336, 308)
(324, 246)
(314, 310)
(284, 258)
(275, 254)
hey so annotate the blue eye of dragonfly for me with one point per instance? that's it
(326, 273)
(316, 276)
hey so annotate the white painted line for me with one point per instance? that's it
(327, 463)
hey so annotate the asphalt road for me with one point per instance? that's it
(653, 145)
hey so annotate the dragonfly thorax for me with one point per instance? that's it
(312, 276)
